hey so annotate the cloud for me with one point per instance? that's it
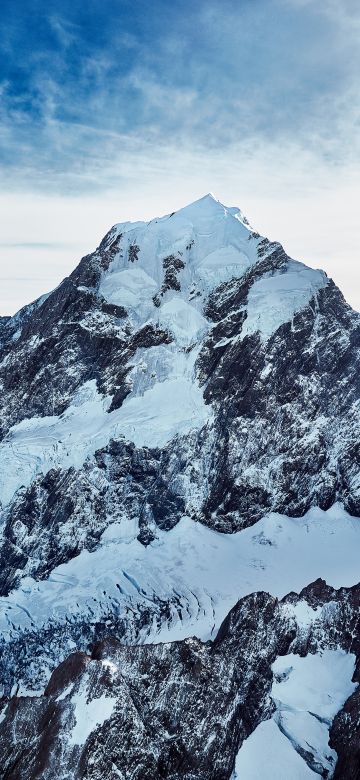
(66, 32)
(217, 76)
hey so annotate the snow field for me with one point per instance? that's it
(202, 571)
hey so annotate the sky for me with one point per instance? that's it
(125, 109)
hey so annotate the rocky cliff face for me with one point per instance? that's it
(179, 429)
(182, 709)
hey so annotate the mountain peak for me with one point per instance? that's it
(188, 381)
(184, 254)
(208, 197)
(206, 201)
(206, 205)
(207, 208)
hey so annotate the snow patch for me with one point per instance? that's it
(303, 613)
(132, 288)
(89, 714)
(308, 692)
(221, 265)
(274, 300)
(182, 320)
(65, 692)
(320, 683)
(3, 713)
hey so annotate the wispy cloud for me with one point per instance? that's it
(219, 76)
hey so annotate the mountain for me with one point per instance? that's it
(180, 493)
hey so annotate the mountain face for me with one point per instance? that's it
(180, 493)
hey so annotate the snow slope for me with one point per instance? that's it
(308, 692)
(150, 417)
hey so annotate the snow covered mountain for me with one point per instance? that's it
(179, 451)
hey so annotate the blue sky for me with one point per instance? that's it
(111, 110)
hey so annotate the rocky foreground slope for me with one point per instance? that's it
(180, 440)
(183, 709)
